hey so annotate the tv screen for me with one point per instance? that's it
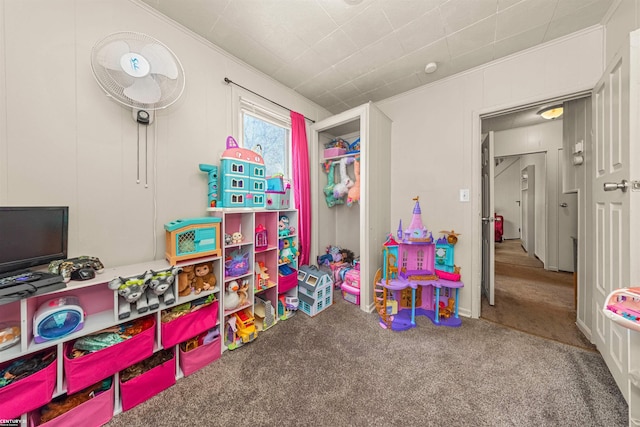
(32, 236)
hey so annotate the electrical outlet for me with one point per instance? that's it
(464, 195)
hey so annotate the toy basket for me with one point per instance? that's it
(86, 370)
(28, 393)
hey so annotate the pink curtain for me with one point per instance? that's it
(301, 184)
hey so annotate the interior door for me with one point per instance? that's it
(615, 161)
(488, 230)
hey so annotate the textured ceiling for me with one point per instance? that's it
(343, 53)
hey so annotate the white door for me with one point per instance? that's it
(616, 208)
(488, 230)
(567, 223)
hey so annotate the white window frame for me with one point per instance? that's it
(251, 104)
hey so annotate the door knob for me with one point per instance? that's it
(488, 219)
(613, 186)
(563, 205)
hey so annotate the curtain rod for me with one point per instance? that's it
(229, 81)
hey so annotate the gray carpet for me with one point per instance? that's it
(341, 369)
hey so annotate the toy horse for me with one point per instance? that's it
(354, 192)
(328, 189)
(340, 190)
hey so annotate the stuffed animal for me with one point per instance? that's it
(231, 297)
(242, 292)
(284, 229)
(236, 237)
(205, 279)
(328, 189)
(342, 188)
(185, 280)
(353, 195)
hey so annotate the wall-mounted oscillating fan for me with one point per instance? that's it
(139, 72)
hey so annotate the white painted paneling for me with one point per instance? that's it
(67, 143)
(437, 126)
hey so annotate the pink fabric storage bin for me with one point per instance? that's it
(91, 368)
(28, 393)
(288, 282)
(92, 413)
(333, 152)
(198, 358)
(189, 325)
(350, 294)
(145, 386)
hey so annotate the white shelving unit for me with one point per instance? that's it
(100, 305)
(246, 221)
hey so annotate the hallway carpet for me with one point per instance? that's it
(531, 299)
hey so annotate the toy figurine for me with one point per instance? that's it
(204, 277)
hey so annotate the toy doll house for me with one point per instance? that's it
(315, 290)
(408, 286)
(243, 177)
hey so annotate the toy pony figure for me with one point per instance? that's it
(328, 189)
(342, 188)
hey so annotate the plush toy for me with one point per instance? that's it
(161, 282)
(242, 292)
(353, 195)
(236, 237)
(237, 263)
(231, 296)
(328, 189)
(342, 188)
(205, 279)
(284, 229)
(185, 280)
(288, 251)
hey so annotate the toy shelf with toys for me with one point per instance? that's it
(259, 244)
(94, 313)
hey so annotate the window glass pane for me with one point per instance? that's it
(274, 140)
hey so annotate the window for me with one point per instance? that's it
(268, 133)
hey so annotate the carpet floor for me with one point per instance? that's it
(531, 299)
(340, 368)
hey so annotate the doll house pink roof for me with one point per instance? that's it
(234, 151)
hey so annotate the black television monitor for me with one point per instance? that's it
(32, 236)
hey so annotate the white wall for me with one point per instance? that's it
(544, 138)
(63, 142)
(436, 136)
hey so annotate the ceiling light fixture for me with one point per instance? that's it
(431, 68)
(352, 2)
(552, 112)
